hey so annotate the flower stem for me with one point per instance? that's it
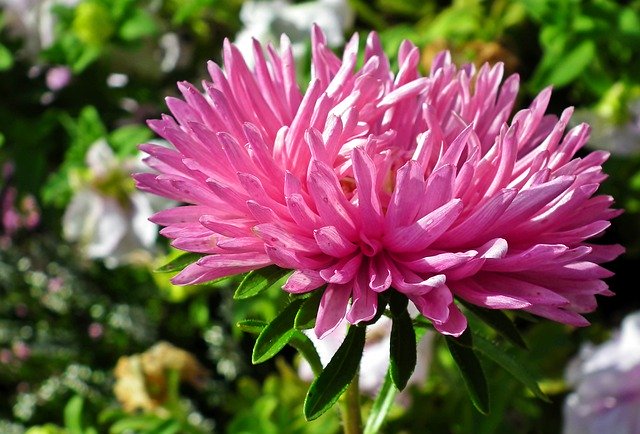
(381, 406)
(351, 408)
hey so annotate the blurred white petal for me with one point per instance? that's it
(606, 380)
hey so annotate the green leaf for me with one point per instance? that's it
(305, 347)
(142, 423)
(381, 406)
(260, 280)
(138, 25)
(6, 58)
(306, 317)
(499, 321)
(170, 426)
(179, 263)
(254, 326)
(572, 64)
(298, 340)
(334, 379)
(125, 140)
(471, 371)
(517, 368)
(276, 334)
(73, 415)
(402, 348)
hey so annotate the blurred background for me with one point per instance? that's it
(94, 340)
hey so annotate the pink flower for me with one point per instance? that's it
(369, 180)
(58, 78)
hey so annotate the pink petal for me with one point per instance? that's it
(333, 243)
(302, 281)
(332, 310)
(425, 231)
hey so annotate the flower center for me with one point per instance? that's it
(369, 247)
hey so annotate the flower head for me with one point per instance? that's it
(370, 180)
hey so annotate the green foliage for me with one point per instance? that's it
(260, 280)
(179, 262)
(306, 316)
(6, 58)
(462, 351)
(589, 43)
(336, 376)
(402, 349)
(275, 406)
(381, 406)
(276, 334)
(517, 368)
(498, 321)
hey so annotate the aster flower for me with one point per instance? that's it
(606, 379)
(370, 180)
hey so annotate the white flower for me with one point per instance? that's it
(34, 20)
(109, 221)
(267, 20)
(606, 379)
(375, 359)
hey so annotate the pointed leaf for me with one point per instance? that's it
(334, 379)
(515, 367)
(298, 340)
(260, 280)
(402, 348)
(306, 317)
(254, 326)
(276, 334)
(471, 371)
(305, 347)
(499, 321)
(177, 264)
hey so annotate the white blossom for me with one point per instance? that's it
(606, 381)
(267, 20)
(109, 221)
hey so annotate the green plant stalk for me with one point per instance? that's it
(381, 406)
(352, 416)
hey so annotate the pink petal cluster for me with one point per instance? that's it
(368, 180)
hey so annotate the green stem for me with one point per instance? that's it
(351, 408)
(381, 406)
